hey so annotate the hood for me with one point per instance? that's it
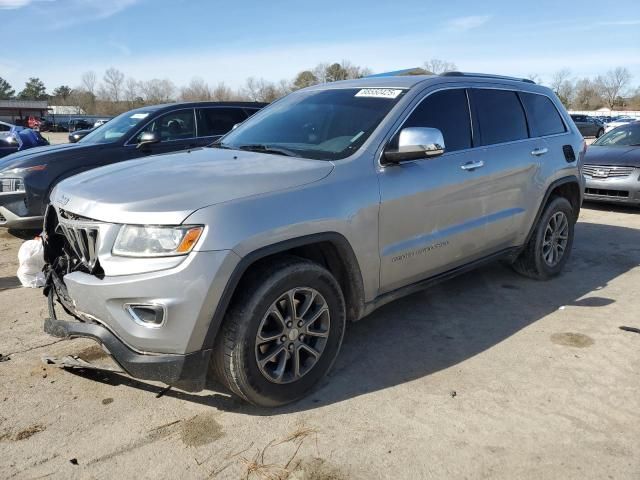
(606, 155)
(44, 154)
(165, 189)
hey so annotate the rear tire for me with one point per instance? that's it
(269, 353)
(549, 247)
(600, 133)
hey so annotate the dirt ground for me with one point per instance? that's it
(56, 137)
(489, 375)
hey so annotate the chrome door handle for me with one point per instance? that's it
(536, 152)
(472, 165)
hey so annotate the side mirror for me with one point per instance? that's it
(148, 138)
(415, 143)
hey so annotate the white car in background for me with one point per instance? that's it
(6, 127)
(618, 122)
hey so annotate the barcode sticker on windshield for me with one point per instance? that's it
(379, 92)
(140, 115)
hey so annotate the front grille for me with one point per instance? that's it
(83, 239)
(605, 171)
(2, 219)
(607, 193)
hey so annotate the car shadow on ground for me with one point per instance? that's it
(612, 207)
(447, 324)
(7, 283)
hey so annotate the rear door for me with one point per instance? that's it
(512, 162)
(213, 122)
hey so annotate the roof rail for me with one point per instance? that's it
(400, 73)
(485, 75)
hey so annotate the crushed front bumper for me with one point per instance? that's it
(185, 371)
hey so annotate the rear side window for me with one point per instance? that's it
(500, 116)
(542, 114)
(448, 111)
(218, 121)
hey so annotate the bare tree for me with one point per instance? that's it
(132, 92)
(534, 77)
(562, 85)
(260, 90)
(613, 85)
(113, 80)
(196, 91)
(157, 91)
(88, 82)
(586, 95)
(438, 66)
(222, 93)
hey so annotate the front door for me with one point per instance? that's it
(176, 129)
(429, 207)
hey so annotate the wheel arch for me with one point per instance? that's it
(329, 249)
(567, 187)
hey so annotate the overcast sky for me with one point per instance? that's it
(58, 40)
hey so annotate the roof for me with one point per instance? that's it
(18, 104)
(401, 79)
(201, 104)
(404, 81)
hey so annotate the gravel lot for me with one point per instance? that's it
(489, 375)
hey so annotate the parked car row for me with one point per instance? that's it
(592, 126)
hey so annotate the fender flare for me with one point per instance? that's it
(338, 240)
(555, 184)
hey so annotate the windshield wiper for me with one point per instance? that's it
(258, 147)
(219, 144)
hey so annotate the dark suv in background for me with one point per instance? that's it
(588, 126)
(30, 176)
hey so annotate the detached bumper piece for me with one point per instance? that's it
(186, 372)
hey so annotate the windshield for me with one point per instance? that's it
(324, 125)
(113, 130)
(627, 135)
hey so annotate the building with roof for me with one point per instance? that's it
(15, 111)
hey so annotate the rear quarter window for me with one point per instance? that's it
(542, 114)
(499, 115)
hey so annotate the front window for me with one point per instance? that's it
(625, 136)
(115, 129)
(176, 125)
(323, 125)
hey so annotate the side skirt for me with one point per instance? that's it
(385, 298)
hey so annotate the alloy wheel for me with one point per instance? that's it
(556, 237)
(292, 335)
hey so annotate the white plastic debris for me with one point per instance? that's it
(31, 260)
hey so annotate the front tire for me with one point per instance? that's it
(549, 248)
(282, 333)
(600, 133)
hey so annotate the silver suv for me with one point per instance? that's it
(246, 260)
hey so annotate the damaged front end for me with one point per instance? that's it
(67, 248)
(71, 245)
